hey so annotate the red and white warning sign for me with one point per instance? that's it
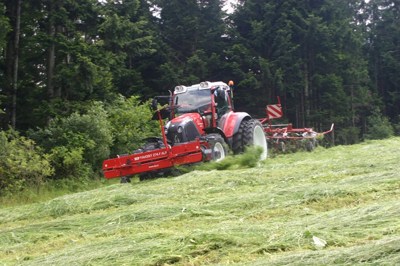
(274, 111)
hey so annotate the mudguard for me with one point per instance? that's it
(230, 122)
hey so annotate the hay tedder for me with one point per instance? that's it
(202, 126)
(283, 135)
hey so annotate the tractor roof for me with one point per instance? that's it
(205, 85)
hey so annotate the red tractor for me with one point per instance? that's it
(202, 126)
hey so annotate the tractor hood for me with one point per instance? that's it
(184, 128)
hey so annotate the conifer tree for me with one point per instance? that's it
(384, 50)
(308, 52)
(193, 33)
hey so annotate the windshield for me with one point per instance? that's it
(193, 101)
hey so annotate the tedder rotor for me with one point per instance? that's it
(280, 135)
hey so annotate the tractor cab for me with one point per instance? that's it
(211, 100)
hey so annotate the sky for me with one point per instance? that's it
(228, 6)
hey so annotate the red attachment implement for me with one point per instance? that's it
(279, 134)
(156, 159)
(153, 160)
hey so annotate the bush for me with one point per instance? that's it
(396, 126)
(78, 143)
(131, 123)
(348, 135)
(379, 127)
(22, 164)
(69, 163)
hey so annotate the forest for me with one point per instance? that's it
(76, 76)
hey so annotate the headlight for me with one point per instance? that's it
(204, 84)
(166, 127)
(180, 89)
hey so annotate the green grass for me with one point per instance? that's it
(51, 189)
(265, 215)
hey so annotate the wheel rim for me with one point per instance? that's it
(218, 152)
(260, 141)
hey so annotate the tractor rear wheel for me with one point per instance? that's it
(218, 147)
(250, 133)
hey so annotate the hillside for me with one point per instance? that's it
(347, 196)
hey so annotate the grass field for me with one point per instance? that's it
(347, 197)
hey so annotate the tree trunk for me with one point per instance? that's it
(51, 52)
(13, 12)
(306, 108)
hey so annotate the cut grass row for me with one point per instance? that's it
(348, 196)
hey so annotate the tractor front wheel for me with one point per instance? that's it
(125, 179)
(218, 147)
(250, 133)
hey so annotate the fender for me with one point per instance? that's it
(230, 122)
(218, 131)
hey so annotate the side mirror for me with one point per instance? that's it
(154, 104)
(161, 104)
(164, 113)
